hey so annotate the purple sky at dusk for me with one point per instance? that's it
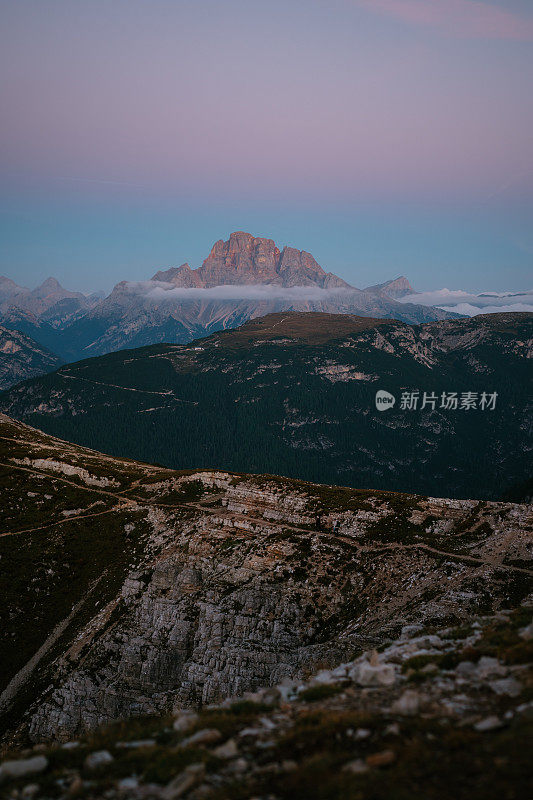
(384, 136)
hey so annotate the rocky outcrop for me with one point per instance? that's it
(446, 708)
(21, 357)
(182, 276)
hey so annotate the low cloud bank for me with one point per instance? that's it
(471, 305)
(159, 291)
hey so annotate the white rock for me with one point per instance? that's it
(181, 784)
(465, 668)
(227, 750)
(288, 689)
(324, 677)
(357, 767)
(98, 759)
(185, 721)
(251, 732)
(29, 791)
(489, 668)
(408, 704)
(506, 686)
(488, 724)
(127, 783)
(136, 745)
(408, 631)
(365, 674)
(527, 632)
(22, 767)
(205, 736)
(392, 730)
(340, 671)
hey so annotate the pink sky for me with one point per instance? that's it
(243, 103)
(475, 18)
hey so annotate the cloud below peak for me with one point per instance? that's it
(160, 291)
(463, 18)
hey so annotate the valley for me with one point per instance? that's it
(294, 394)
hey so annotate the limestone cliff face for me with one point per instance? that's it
(188, 589)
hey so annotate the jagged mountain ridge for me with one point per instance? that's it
(21, 358)
(246, 259)
(295, 393)
(49, 301)
(44, 312)
(242, 278)
(128, 588)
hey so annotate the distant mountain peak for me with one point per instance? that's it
(51, 283)
(5, 281)
(49, 286)
(245, 259)
(9, 288)
(397, 287)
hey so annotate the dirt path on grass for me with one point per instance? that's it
(124, 502)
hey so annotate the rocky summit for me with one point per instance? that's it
(257, 636)
(246, 259)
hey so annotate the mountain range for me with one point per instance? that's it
(295, 393)
(242, 278)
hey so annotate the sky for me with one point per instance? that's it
(386, 137)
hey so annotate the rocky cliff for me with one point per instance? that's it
(441, 713)
(130, 589)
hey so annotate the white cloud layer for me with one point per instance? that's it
(159, 291)
(470, 305)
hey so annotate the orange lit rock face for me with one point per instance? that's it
(245, 259)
